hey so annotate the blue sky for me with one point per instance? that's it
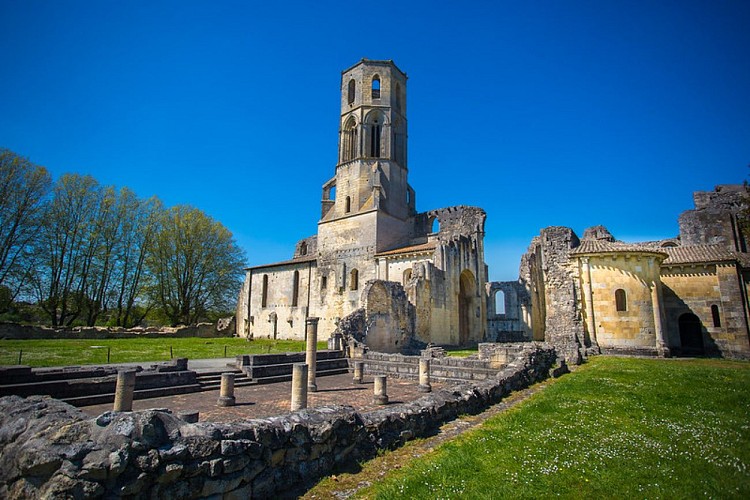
(544, 113)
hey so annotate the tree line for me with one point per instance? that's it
(81, 253)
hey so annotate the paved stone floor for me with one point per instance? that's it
(267, 400)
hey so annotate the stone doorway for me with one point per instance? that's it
(691, 334)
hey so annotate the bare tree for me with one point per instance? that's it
(196, 265)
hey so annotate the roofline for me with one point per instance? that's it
(303, 260)
(382, 62)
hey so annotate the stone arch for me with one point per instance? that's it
(376, 86)
(499, 301)
(691, 334)
(351, 139)
(433, 225)
(466, 304)
(406, 276)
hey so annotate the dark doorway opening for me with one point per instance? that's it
(691, 334)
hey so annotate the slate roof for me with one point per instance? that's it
(602, 246)
(424, 247)
(690, 254)
(683, 254)
(299, 260)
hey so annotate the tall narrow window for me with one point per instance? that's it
(323, 282)
(398, 96)
(376, 87)
(715, 315)
(303, 248)
(354, 279)
(348, 204)
(295, 289)
(499, 302)
(375, 140)
(352, 88)
(264, 292)
(621, 301)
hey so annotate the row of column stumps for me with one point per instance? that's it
(303, 379)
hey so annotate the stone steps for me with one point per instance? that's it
(96, 399)
(210, 381)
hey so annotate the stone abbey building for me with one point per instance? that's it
(397, 279)
(417, 275)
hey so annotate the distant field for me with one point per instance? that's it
(85, 352)
(615, 428)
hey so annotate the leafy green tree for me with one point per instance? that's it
(196, 264)
(23, 193)
(140, 224)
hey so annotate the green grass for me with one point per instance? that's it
(615, 428)
(83, 352)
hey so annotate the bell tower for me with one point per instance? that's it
(371, 173)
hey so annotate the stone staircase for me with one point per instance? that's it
(271, 368)
(211, 381)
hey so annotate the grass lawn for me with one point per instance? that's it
(615, 428)
(85, 352)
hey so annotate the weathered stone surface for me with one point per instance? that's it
(50, 449)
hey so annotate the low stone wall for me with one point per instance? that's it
(49, 449)
(15, 331)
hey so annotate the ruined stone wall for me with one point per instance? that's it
(715, 218)
(389, 316)
(552, 282)
(514, 324)
(49, 449)
(16, 331)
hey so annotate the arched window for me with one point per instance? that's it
(434, 225)
(407, 276)
(499, 302)
(354, 279)
(295, 289)
(303, 248)
(352, 88)
(376, 87)
(375, 139)
(715, 316)
(348, 204)
(621, 301)
(264, 292)
(351, 140)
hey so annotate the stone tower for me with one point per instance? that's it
(368, 207)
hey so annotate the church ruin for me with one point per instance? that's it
(397, 279)
(373, 249)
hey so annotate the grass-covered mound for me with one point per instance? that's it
(616, 427)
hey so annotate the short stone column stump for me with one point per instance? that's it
(299, 386)
(381, 396)
(226, 394)
(124, 390)
(359, 368)
(424, 376)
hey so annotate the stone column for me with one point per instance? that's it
(124, 390)
(424, 376)
(226, 395)
(661, 345)
(299, 386)
(359, 368)
(381, 397)
(311, 326)
(588, 297)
